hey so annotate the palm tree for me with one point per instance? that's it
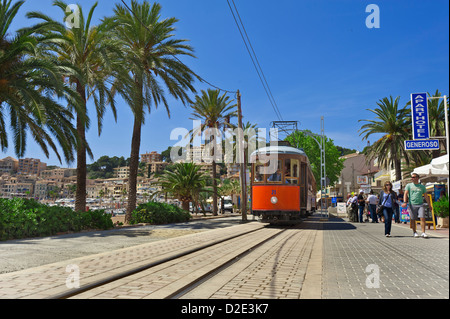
(93, 53)
(394, 123)
(151, 55)
(215, 111)
(185, 183)
(27, 85)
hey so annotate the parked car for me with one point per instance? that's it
(227, 204)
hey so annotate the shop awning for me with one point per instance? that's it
(438, 167)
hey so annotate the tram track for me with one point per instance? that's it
(173, 276)
(190, 286)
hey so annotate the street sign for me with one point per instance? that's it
(422, 145)
(419, 113)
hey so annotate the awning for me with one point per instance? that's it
(440, 163)
(428, 169)
(438, 167)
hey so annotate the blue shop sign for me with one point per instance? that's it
(419, 113)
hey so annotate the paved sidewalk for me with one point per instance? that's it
(360, 262)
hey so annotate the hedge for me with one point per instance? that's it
(159, 213)
(25, 218)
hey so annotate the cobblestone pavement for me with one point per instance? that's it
(328, 259)
(354, 255)
(166, 279)
(21, 254)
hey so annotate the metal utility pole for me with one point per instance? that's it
(242, 160)
(323, 173)
(446, 137)
(322, 129)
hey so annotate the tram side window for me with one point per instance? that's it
(291, 171)
(275, 177)
(259, 178)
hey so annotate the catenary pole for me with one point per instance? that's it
(242, 160)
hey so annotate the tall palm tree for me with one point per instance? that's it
(93, 53)
(151, 54)
(394, 123)
(28, 86)
(215, 111)
(185, 183)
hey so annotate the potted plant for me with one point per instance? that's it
(441, 210)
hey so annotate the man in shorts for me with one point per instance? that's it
(414, 196)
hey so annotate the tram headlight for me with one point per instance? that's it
(274, 200)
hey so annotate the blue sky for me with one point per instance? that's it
(318, 56)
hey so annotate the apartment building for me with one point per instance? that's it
(31, 166)
(14, 188)
(151, 157)
(58, 174)
(8, 165)
(157, 167)
(44, 189)
(122, 172)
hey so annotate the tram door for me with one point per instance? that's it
(303, 188)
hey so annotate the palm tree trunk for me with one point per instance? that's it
(80, 196)
(437, 153)
(134, 156)
(398, 169)
(214, 174)
(134, 165)
(185, 205)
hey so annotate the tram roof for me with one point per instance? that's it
(279, 150)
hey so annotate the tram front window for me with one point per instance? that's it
(275, 177)
(259, 169)
(291, 171)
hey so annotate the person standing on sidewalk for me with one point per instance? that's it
(361, 205)
(414, 196)
(352, 204)
(387, 199)
(372, 200)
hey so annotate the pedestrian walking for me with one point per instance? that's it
(387, 199)
(397, 211)
(352, 204)
(372, 200)
(400, 201)
(414, 196)
(361, 203)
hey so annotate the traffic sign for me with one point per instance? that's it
(419, 113)
(422, 145)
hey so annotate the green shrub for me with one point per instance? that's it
(441, 207)
(24, 218)
(158, 214)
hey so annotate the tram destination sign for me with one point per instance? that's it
(422, 145)
(419, 113)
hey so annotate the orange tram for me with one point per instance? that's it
(287, 195)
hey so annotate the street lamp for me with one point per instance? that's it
(323, 182)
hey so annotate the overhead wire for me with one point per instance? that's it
(256, 64)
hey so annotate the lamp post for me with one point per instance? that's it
(323, 180)
(446, 130)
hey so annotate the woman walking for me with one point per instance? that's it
(387, 199)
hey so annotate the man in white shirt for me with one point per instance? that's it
(373, 201)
